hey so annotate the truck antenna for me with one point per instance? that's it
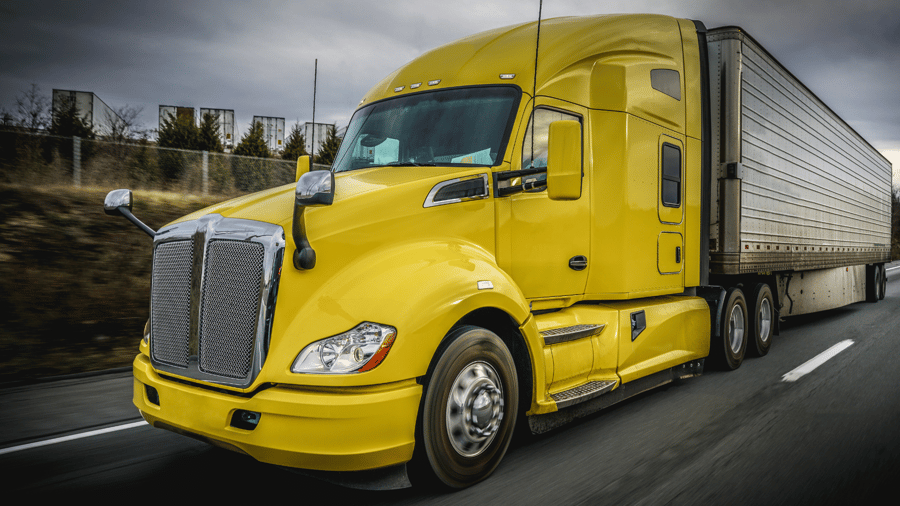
(537, 45)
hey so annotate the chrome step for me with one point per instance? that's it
(573, 333)
(582, 393)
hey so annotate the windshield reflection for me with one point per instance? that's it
(455, 127)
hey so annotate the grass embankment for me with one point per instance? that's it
(74, 282)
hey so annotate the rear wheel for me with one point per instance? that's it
(729, 349)
(763, 320)
(873, 282)
(468, 410)
(882, 286)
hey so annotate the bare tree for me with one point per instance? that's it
(7, 120)
(33, 109)
(123, 126)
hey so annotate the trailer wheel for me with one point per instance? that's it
(763, 320)
(882, 286)
(873, 283)
(468, 410)
(729, 349)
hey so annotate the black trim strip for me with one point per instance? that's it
(706, 156)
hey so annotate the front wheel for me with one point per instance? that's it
(468, 410)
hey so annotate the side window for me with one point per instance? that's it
(534, 149)
(670, 189)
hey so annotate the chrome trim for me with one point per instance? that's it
(573, 333)
(116, 199)
(202, 231)
(429, 200)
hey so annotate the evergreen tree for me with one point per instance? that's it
(208, 134)
(68, 123)
(253, 143)
(329, 148)
(296, 144)
(180, 133)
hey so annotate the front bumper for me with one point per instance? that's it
(339, 429)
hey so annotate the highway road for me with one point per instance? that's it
(830, 436)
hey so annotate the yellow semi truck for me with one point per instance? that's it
(513, 233)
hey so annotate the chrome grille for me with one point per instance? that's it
(170, 300)
(215, 286)
(229, 312)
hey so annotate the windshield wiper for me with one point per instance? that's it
(409, 164)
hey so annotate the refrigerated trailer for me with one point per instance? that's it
(511, 234)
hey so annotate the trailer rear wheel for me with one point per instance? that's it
(874, 273)
(728, 350)
(468, 410)
(763, 320)
(882, 287)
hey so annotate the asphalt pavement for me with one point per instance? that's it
(741, 437)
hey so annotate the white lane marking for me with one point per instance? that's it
(53, 441)
(810, 365)
(892, 268)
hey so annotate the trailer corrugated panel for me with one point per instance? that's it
(797, 187)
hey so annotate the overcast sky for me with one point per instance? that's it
(257, 58)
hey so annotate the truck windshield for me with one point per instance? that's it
(456, 127)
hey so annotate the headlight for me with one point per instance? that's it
(357, 350)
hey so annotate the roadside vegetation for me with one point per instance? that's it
(74, 282)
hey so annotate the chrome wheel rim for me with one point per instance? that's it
(474, 409)
(765, 320)
(736, 329)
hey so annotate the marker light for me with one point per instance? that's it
(399, 88)
(507, 76)
(414, 86)
(434, 82)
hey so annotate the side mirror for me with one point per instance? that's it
(119, 202)
(302, 167)
(564, 160)
(116, 199)
(315, 188)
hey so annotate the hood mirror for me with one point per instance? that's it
(314, 188)
(120, 202)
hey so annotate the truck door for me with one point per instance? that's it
(549, 240)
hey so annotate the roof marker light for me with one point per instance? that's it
(414, 86)
(399, 88)
(434, 82)
(507, 76)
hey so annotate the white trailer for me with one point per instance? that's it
(796, 194)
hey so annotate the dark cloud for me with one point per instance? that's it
(257, 58)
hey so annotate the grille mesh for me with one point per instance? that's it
(171, 302)
(230, 308)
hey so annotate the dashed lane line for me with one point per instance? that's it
(63, 439)
(810, 365)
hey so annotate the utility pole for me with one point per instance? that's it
(315, 77)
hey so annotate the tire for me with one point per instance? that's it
(762, 323)
(882, 286)
(454, 449)
(872, 283)
(728, 350)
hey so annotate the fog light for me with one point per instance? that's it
(243, 419)
(152, 394)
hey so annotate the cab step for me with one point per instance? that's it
(571, 333)
(582, 393)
